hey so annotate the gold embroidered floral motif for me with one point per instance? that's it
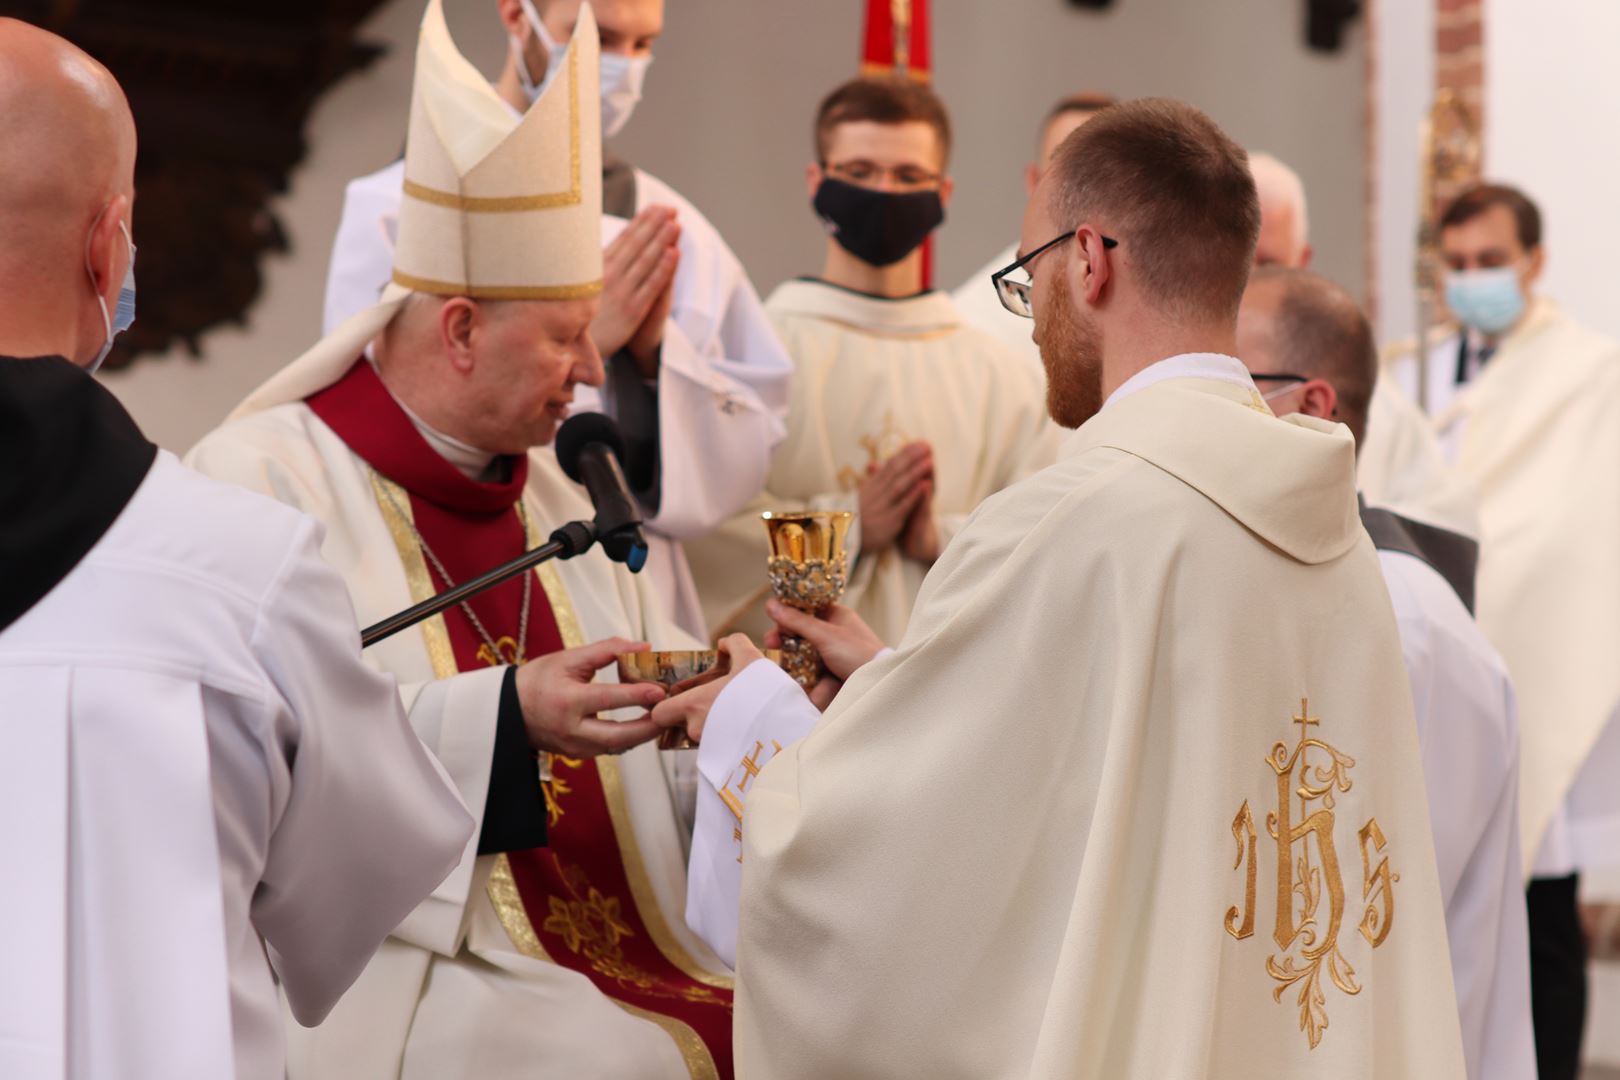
(555, 787)
(508, 648)
(889, 441)
(593, 925)
(1307, 872)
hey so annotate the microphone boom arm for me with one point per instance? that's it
(572, 539)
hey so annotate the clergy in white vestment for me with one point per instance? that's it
(977, 303)
(695, 376)
(1140, 793)
(1526, 404)
(899, 409)
(429, 463)
(1399, 464)
(1295, 323)
(204, 793)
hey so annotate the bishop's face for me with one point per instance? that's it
(529, 358)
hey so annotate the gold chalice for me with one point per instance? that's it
(678, 671)
(809, 569)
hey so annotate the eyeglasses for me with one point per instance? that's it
(869, 174)
(1014, 295)
(1293, 381)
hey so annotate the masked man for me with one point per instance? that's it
(900, 410)
(1526, 403)
(695, 376)
(428, 463)
(1307, 339)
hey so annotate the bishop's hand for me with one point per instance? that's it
(560, 702)
(843, 639)
(638, 270)
(690, 710)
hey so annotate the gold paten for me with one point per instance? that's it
(1308, 872)
(678, 671)
(809, 570)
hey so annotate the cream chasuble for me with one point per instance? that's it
(1537, 435)
(870, 376)
(1139, 795)
(1402, 467)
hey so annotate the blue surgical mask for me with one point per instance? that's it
(1489, 301)
(123, 314)
(622, 76)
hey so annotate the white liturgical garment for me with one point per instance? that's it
(723, 383)
(1536, 432)
(1468, 729)
(976, 299)
(1074, 908)
(212, 796)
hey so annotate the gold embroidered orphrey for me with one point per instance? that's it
(1308, 869)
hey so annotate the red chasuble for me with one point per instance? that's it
(576, 890)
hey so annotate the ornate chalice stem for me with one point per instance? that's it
(808, 570)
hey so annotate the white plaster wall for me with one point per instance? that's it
(1551, 90)
(728, 119)
(1404, 85)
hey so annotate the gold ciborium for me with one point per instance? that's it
(677, 672)
(808, 568)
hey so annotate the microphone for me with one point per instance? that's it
(589, 447)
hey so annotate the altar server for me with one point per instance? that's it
(900, 410)
(204, 793)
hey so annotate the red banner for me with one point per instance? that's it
(896, 43)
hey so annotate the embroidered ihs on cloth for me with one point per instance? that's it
(1309, 871)
(888, 441)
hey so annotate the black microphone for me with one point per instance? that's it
(589, 447)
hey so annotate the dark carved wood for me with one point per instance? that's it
(221, 91)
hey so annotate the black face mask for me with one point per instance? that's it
(877, 227)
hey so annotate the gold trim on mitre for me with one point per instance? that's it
(498, 205)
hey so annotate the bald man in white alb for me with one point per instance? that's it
(207, 800)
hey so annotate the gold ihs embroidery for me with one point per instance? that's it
(1308, 871)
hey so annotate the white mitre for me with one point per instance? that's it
(495, 207)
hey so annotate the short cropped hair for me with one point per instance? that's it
(1177, 194)
(1322, 333)
(1481, 197)
(1087, 101)
(885, 100)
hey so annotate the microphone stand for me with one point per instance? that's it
(572, 539)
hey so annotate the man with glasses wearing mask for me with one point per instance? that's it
(208, 801)
(695, 376)
(1524, 401)
(900, 410)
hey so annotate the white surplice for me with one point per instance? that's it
(870, 376)
(1468, 729)
(1536, 433)
(722, 387)
(1070, 907)
(459, 990)
(196, 758)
